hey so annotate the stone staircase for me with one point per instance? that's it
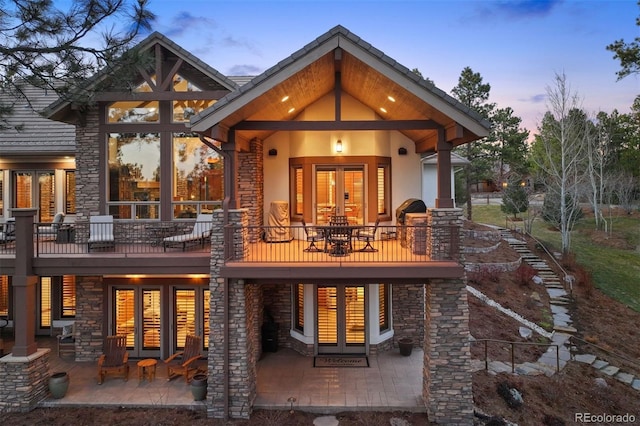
(559, 300)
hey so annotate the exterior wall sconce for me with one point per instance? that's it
(273, 152)
(402, 151)
(339, 146)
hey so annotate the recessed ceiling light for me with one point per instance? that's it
(286, 98)
(391, 98)
(291, 110)
(383, 110)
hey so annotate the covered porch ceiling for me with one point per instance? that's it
(401, 100)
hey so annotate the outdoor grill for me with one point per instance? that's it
(411, 205)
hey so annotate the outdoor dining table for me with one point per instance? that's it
(341, 246)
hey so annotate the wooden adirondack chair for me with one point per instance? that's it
(183, 363)
(114, 359)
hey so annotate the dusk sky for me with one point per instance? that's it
(517, 46)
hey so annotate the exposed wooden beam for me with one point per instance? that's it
(169, 78)
(338, 125)
(160, 96)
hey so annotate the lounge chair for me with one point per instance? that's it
(114, 359)
(182, 363)
(199, 234)
(101, 232)
(313, 236)
(51, 230)
(368, 234)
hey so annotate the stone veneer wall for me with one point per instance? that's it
(24, 381)
(447, 384)
(408, 311)
(89, 318)
(443, 242)
(245, 318)
(251, 185)
(277, 299)
(87, 171)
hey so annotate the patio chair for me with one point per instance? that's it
(368, 234)
(338, 236)
(114, 359)
(8, 233)
(313, 235)
(183, 363)
(101, 232)
(199, 234)
(51, 230)
(67, 340)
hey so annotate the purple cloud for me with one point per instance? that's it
(519, 9)
(184, 22)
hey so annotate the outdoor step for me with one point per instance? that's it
(585, 358)
(636, 384)
(559, 302)
(499, 367)
(567, 329)
(625, 378)
(529, 369)
(610, 370)
(599, 364)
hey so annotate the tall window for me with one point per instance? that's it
(1, 192)
(68, 308)
(298, 200)
(198, 175)
(140, 133)
(185, 315)
(4, 295)
(70, 192)
(298, 298)
(383, 190)
(45, 302)
(205, 317)
(134, 175)
(383, 307)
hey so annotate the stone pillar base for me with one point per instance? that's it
(24, 381)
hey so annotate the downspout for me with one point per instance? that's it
(225, 223)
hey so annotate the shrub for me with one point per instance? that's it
(524, 274)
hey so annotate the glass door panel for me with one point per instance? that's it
(341, 319)
(325, 194)
(339, 190)
(151, 320)
(124, 315)
(137, 315)
(354, 315)
(185, 316)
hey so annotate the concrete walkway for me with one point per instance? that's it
(549, 363)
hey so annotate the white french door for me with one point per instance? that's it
(137, 313)
(339, 190)
(341, 319)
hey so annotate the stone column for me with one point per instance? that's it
(227, 359)
(89, 319)
(447, 385)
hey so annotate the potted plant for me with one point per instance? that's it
(199, 387)
(406, 346)
(58, 384)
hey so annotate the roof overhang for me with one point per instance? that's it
(341, 59)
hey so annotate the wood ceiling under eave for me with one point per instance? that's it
(359, 80)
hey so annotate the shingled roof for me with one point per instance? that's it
(38, 135)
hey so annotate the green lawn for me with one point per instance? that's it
(616, 272)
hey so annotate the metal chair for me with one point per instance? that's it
(313, 236)
(338, 236)
(368, 234)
